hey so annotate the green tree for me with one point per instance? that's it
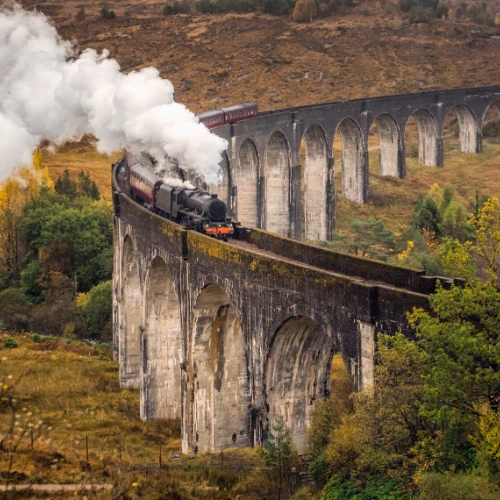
(66, 186)
(371, 239)
(427, 215)
(95, 311)
(278, 453)
(83, 227)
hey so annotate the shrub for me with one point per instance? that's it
(365, 12)
(10, 343)
(35, 337)
(107, 14)
(305, 11)
(277, 7)
(456, 487)
(176, 8)
(80, 16)
(96, 311)
(13, 309)
(492, 129)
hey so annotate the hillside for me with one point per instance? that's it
(216, 60)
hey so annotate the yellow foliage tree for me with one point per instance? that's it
(305, 11)
(21, 187)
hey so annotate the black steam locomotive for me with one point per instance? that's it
(193, 208)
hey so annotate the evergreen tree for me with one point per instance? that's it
(65, 186)
(278, 453)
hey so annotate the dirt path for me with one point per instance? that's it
(56, 488)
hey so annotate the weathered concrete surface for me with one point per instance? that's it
(226, 338)
(269, 184)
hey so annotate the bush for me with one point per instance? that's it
(13, 309)
(277, 7)
(456, 487)
(107, 14)
(81, 15)
(176, 8)
(35, 337)
(10, 343)
(305, 11)
(96, 311)
(492, 129)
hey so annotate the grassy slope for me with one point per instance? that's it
(393, 200)
(74, 390)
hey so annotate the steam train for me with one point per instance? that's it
(232, 114)
(191, 207)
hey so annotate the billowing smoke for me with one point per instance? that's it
(49, 92)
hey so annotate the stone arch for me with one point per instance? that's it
(221, 390)
(353, 161)
(491, 114)
(131, 314)
(277, 185)
(428, 144)
(467, 129)
(162, 346)
(315, 184)
(297, 373)
(389, 145)
(245, 181)
(493, 106)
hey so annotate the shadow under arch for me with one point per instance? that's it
(428, 147)
(491, 120)
(221, 389)
(389, 145)
(162, 346)
(245, 184)
(353, 161)
(277, 184)
(315, 183)
(297, 373)
(129, 352)
(468, 129)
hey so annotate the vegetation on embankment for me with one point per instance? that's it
(68, 393)
(56, 255)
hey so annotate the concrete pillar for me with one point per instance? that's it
(330, 200)
(401, 159)
(479, 142)
(439, 152)
(367, 355)
(296, 202)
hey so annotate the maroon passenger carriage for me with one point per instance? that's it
(232, 114)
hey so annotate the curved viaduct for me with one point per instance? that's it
(227, 336)
(267, 187)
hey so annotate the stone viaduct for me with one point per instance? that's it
(227, 336)
(267, 187)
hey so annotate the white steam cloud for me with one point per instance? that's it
(49, 92)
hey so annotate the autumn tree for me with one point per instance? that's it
(305, 11)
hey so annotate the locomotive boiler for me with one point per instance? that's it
(193, 208)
